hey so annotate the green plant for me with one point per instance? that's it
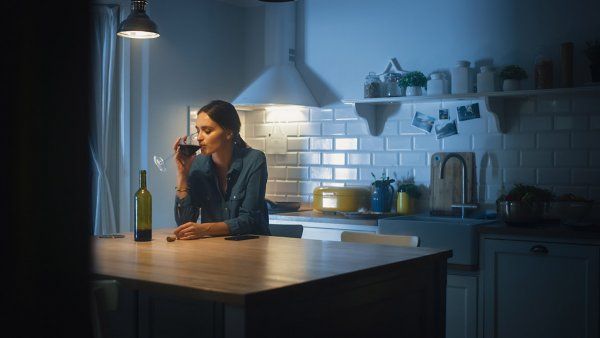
(408, 186)
(413, 79)
(384, 181)
(513, 72)
(527, 194)
(592, 51)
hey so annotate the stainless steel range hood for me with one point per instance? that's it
(280, 83)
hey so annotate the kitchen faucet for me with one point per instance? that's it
(463, 204)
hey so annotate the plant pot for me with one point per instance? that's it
(413, 91)
(510, 85)
(595, 71)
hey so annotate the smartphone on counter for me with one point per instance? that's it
(241, 237)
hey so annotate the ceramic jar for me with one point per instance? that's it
(372, 86)
(413, 91)
(461, 78)
(486, 80)
(436, 85)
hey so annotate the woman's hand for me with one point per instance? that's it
(191, 230)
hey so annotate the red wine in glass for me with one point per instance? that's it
(188, 146)
(188, 149)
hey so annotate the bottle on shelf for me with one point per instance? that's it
(544, 72)
(143, 211)
(566, 65)
(461, 80)
(486, 80)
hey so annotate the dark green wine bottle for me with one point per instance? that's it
(143, 211)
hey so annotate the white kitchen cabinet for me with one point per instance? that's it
(461, 305)
(539, 288)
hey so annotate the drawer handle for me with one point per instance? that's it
(539, 249)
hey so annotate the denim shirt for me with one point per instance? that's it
(242, 207)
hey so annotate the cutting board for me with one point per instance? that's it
(448, 191)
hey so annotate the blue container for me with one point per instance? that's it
(382, 198)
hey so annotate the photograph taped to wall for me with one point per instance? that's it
(423, 122)
(444, 114)
(445, 129)
(468, 112)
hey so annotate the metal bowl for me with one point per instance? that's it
(521, 213)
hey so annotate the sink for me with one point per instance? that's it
(459, 235)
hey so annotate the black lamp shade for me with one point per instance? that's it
(138, 25)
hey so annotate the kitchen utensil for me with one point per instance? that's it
(345, 199)
(448, 191)
(521, 213)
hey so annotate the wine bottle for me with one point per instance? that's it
(143, 211)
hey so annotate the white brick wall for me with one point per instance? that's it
(552, 142)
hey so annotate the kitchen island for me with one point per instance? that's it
(276, 287)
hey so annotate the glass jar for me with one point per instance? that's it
(372, 86)
(391, 85)
(543, 75)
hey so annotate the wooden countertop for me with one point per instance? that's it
(229, 271)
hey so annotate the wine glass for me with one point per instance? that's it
(188, 146)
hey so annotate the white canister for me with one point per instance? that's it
(436, 85)
(486, 80)
(461, 78)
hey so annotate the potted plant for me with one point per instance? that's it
(592, 51)
(383, 193)
(413, 82)
(408, 192)
(511, 76)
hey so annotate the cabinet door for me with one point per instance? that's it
(461, 306)
(537, 289)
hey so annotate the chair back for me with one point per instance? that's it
(286, 230)
(365, 237)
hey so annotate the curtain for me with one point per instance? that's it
(105, 131)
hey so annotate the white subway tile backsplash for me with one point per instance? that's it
(585, 105)
(406, 128)
(321, 173)
(570, 122)
(535, 123)
(516, 175)
(553, 176)
(286, 159)
(345, 114)
(358, 128)
(578, 191)
(276, 114)
(585, 176)
(286, 188)
(297, 173)
(345, 173)
(417, 159)
(317, 143)
(490, 175)
(487, 141)
(371, 144)
(536, 159)
(262, 129)
(554, 140)
(309, 129)
(307, 187)
(519, 141)
(334, 158)
(277, 173)
(585, 140)
(399, 143)
(317, 114)
(422, 175)
(385, 159)
(254, 117)
(309, 158)
(256, 143)
(571, 158)
(298, 143)
(553, 105)
(346, 144)
(271, 188)
(595, 158)
(501, 159)
(334, 184)
(404, 112)
(460, 142)
(426, 142)
(492, 192)
(359, 159)
(289, 129)
(334, 128)
(365, 173)
(390, 128)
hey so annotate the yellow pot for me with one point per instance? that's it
(345, 199)
(403, 205)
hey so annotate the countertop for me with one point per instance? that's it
(231, 271)
(310, 215)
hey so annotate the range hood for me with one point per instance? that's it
(280, 83)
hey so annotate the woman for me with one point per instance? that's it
(226, 182)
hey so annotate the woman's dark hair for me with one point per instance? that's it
(225, 115)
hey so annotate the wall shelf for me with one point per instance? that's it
(377, 110)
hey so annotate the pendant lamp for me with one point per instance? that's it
(138, 25)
